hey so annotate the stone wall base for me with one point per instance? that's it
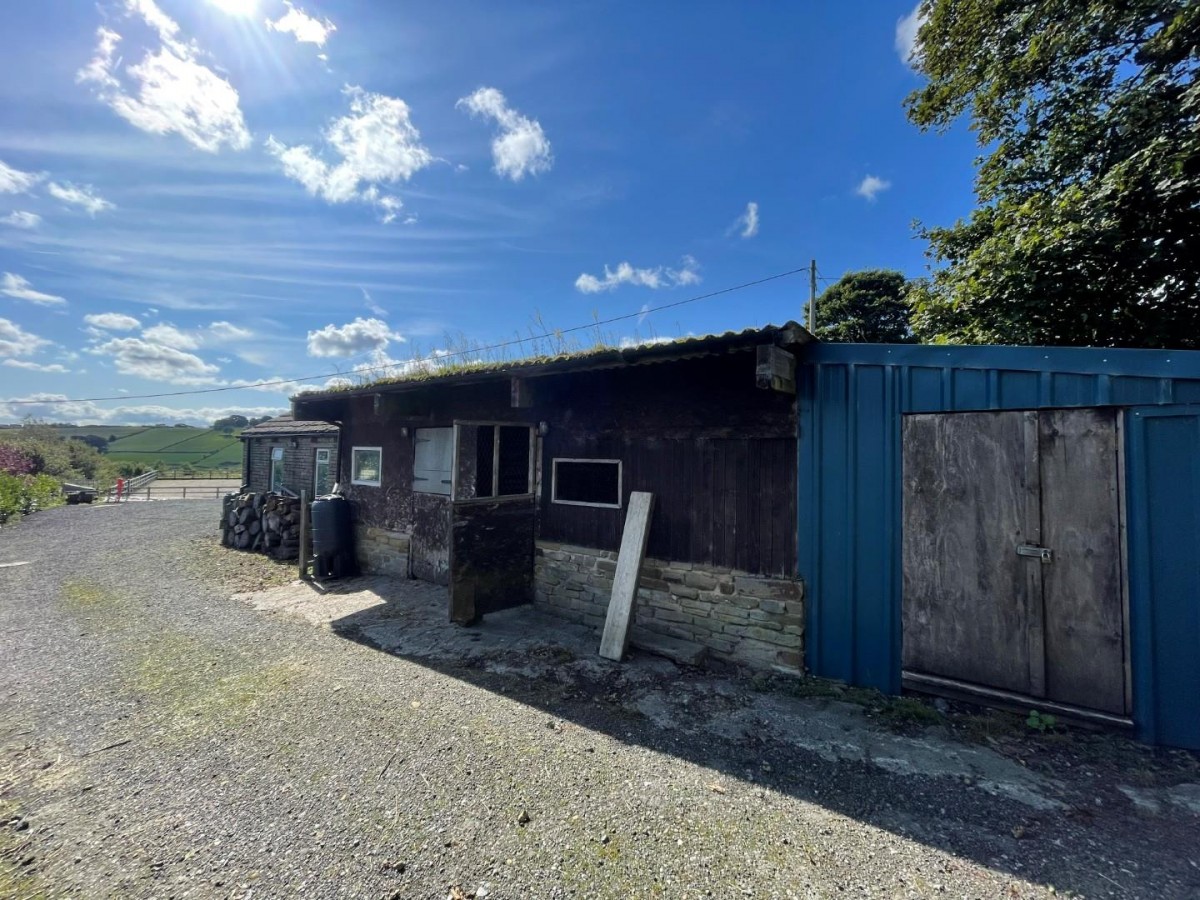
(740, 618)
(381, 552)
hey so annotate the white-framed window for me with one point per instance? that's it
(276, 469)
(322, 474)
(586, 482)
(433, 460)
(366, 466)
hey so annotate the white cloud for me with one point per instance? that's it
(112, 321)
(871, 186)
(227, 331)
(20, 289)
(377, 143)
(360, 336)
(83, 196)
(624, 273)
(369, 303)
(216, 333)
(304, 28)
(42, 406)
(36, 367)
(906, 36)
(169, 91)
(170, 336)
(20, 219)
(747, 223)
(14, 181)
(521, 148)
(156, 362)
(16, 341)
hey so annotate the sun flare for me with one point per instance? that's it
(244, 8)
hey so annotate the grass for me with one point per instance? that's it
(84, 595)
(899, 712)
(201, 447)
(538, 344)
(196, 684)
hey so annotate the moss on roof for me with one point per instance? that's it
(430, 369)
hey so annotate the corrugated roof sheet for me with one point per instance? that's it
(286, 424)
(789, 334)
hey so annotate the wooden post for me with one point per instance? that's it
(303, 535)
(615, 640)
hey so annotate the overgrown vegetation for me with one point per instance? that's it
(35, 460)
(459, 354)
(1088, 225)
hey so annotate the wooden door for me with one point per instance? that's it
(493, 518)
(1083, 584)
(971, 606)
(983, 495)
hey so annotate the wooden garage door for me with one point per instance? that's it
(984, 495)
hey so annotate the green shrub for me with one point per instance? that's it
(22, 494)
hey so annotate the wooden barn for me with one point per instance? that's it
(285, 453)
(509, 483)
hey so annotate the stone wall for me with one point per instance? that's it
(299, 462)
(381, 552)
(738, 617)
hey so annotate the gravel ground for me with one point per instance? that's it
(160, 739)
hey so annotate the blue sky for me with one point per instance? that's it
(198, 194)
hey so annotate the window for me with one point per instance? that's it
(276, 469)
(587, 482)
(366, 466)
(433, 459)
(502, 460)
(322, 477)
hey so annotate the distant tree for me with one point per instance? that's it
(232, 421)
(868, 307)
(1088, 226)
(92, 440)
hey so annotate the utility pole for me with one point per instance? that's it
(812, 296)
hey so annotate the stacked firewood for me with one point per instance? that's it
(262, 522)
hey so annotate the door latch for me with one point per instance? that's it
(1033, 550)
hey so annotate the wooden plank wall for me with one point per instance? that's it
(721, 501)
(717, 451)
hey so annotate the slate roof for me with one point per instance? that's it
(286, 425)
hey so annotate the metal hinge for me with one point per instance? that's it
(1042, 553)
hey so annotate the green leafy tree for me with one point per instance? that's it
(866, 307)
(1088, 231)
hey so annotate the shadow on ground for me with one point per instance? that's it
(1087, 813)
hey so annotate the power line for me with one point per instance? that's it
(444, 356)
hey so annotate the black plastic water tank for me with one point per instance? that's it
(332, 536)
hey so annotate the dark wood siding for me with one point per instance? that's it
(722, 501)
(718, 452)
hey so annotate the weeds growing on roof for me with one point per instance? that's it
(458, 353)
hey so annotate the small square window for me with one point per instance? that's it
(587, 482)
(366, 466)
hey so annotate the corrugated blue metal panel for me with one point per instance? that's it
(1163, 465)
(851, 398)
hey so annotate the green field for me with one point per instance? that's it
(200, 447)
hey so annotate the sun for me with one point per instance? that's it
(244, 8)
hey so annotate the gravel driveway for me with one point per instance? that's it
(161, 738)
